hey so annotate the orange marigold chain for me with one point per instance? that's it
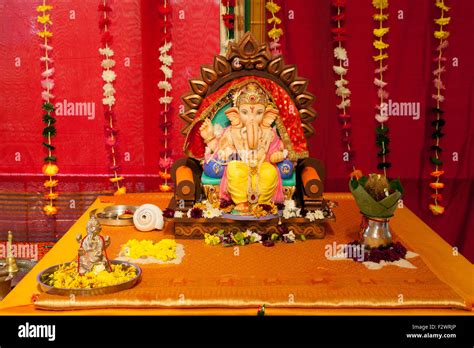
(342, 88)
(442, 35)
(382, 139)
(165, 86)
(50, 169)
(108, 100)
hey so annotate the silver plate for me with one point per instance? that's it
(110, 216)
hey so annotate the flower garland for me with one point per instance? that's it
(228, 18)
(439, 122)
(228, 239)
(275, 33)
(382, 139)
(109, 76)
(50, 169)
(166, 60)
(342, 90)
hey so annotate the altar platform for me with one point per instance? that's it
(290, 279)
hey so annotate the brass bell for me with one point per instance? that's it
(10, 261)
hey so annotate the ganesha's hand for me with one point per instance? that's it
(206, 130)
(277, 157)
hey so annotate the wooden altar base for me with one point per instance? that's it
(196, 228)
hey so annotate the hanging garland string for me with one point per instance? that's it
(109, 76)
(50, 169)
(276, 32)
(228, 18)
(164, 85)
(442, 35)
(382, 139)
(342, 89)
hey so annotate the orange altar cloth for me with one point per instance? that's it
(289, 278)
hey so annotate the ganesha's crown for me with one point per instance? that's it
(251, 93)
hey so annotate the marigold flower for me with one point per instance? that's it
(51, 195)
(443, 20)
(272, 7)
(116, 179)
(381, 31)
(441, 34)
(43, 8)
(437, 173)
(45, 19)
(50, 169)
(50, 183)
(45, 34)
(436, 209)
(275, 33)
(50, 210)
(380, 45)
(380, 4)
(436, 185)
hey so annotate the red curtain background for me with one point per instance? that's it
(81, 151)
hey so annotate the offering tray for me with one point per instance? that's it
(49, 289)
(116, 215)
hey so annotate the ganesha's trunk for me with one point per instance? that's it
(252, 135)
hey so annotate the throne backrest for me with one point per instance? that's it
(249, 61)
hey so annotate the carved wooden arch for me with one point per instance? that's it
(249, 58)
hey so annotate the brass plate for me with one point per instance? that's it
(88, 292)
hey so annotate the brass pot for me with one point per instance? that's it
(5, 283)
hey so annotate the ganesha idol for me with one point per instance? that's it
(248, 150)
(247, 120)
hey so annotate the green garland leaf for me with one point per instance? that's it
(383, 165)
(382, 139)
(379, 130)
(436, 161)
(383, 152)
(49, 146)
(437, 111)
(48, 119)
(48, 107)
(50, 130)
(50, 159)
(436, 148)
(437, 134)
(438, 123)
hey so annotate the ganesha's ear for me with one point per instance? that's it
(233, 116)
(232, 112)
(270, 114)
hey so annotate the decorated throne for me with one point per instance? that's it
(247, 119)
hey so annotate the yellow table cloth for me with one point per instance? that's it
(315, 285)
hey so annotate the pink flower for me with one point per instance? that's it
(165, 163)
(379, 70)
(438, 83)
(439, 98)
(47, 84)
(382, 94)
